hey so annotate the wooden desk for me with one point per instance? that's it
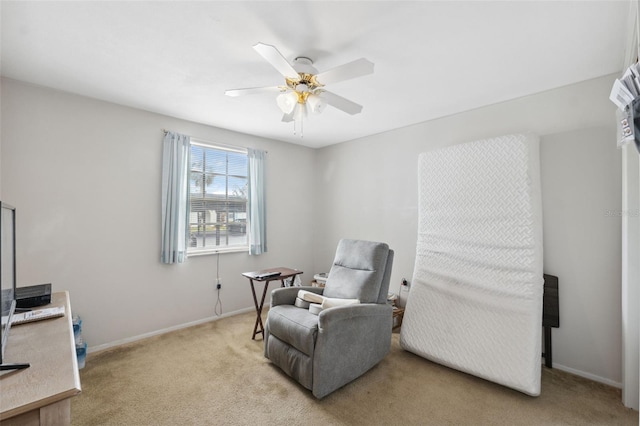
(40, 394)
(255, 276)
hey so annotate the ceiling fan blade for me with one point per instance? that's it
(275, 58)
(254, 90)
(341, 103)
(350, 70)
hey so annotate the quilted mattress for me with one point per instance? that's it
(475, 302)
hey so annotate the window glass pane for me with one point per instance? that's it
(196, 206)
(219, 206)
(196, 226)
(197, 158)
(216, 186)
(195, 184)
(218, 198)
(238, 188)
(215, 161)
(238, 164)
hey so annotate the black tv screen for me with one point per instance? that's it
(7, 272)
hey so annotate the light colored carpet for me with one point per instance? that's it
(214, 374)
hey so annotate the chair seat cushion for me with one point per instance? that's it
(295, 326)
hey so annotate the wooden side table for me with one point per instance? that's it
(266, 276)
(399, 314)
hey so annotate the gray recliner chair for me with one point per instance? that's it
(326, 351)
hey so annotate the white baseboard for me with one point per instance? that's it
(588, 376)
(110, 345)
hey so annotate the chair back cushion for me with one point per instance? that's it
(358, 271)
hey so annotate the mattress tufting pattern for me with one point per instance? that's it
(475, 302)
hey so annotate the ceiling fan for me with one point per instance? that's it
(304, 89)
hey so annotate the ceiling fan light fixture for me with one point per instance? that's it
(316, 103)
(287, 102)
(300, 112)
(298, 117)
(304, 90)
(302, 64)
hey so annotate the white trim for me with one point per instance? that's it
(203, 252)
(221, 146)
(630, 277)
(132, 339)
(631, 240)
(589, 376)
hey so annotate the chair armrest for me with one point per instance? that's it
(351, 339)
(287, 295)
(329, 317)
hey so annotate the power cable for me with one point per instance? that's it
(218, 305)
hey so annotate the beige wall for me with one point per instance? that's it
(85, 176)
(367, 188)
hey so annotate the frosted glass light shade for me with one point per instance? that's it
(287, 102)
(316, 104)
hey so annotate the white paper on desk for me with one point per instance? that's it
(37, 314)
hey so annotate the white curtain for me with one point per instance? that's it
(257, 202)
(175, 197)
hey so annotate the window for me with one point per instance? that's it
(218, 198)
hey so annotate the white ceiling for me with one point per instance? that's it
(432, 59)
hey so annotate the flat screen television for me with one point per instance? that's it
(7, 279)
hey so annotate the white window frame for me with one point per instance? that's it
(193, 251)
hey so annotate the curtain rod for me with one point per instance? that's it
(165, 131)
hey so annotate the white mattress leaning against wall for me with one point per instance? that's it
(476, 298)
